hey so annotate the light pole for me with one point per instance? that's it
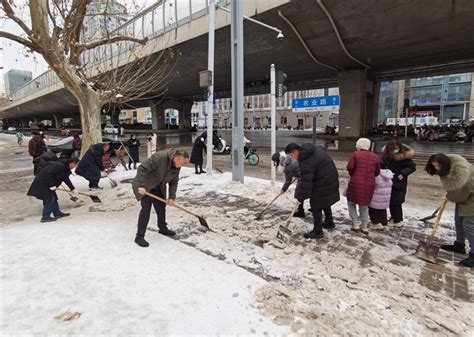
(273, 119)
(237, 46)
(210, 98)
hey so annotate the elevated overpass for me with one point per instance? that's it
(351, 44)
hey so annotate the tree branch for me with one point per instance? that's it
(102, 42)
(22, 41)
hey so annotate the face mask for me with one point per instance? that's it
(58, 155)
(396, 150)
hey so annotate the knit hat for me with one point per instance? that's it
(363, 144)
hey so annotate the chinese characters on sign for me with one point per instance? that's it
(314, 104)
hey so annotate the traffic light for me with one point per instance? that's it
(280, 83)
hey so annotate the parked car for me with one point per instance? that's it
(11, 129)
(110, 128)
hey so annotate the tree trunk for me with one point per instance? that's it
(90, 104)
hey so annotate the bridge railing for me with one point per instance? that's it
(154, 21)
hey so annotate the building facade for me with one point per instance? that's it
(445, 97)
(15, 79)
(103, 17)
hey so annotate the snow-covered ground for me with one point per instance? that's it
(236, 280)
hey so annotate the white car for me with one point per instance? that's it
(11, 128)
(109, 128)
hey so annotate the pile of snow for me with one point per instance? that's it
(343, 284)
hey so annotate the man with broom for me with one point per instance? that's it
(153, 176)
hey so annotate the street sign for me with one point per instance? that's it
(313, 104)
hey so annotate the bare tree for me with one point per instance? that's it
(109, 68)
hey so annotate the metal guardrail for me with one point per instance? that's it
(158, 19)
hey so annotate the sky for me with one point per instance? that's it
(14, 55)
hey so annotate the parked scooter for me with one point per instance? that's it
(220, 145)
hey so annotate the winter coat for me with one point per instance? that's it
(36, 147)
(91, 163)
(77, 143)
(52, 175)
(151, 145)
(197, 152)
(134, 149)
(363, 166)
(319, 178)
(403, 164)
(459, 184)
(44, 159)
(156, 172)
(291, 169)
(383, 190)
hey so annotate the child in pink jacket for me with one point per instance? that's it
(381, 199)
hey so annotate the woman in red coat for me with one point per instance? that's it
(363, 167)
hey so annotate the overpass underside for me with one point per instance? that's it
(378, 41)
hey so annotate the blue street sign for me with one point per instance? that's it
(321, 103)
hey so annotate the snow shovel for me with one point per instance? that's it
(202, 221)
(113, 182)
(284, 232)
(260, 214)
(94, 198)
(429, 217)
(72, 197)
(425, 250)
(128, 154)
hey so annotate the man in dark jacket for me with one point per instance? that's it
(161, 169)
(36, 147)
(91, 165)
(45, 184)
(50, 155)
(319, 183)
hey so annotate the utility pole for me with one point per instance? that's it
(210, 98)
(273, 119)
(237, 49)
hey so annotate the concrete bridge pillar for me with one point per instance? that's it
(57, 120)
(157, 114)
(185, 115)
(357, 103)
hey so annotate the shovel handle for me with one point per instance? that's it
(69, 191)
(275, 198)
(438, 219)
(151, 195)
(288, 222)
(128, 154)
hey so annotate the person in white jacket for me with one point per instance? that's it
(151, 144)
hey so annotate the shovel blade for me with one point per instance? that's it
(284, 232)
(95, 199)
(259, 216)
(113, 183)
(73, 198)
(203, 222)
(427, 252)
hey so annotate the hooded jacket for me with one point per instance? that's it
(291, 169)
(156, 172)
(319, 177)
(383, 190)
(52, 175)
(459, 184)
(363, 166)
(44, 159)
(401, 163)
(91, 163)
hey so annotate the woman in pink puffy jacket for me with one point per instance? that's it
(381, 199)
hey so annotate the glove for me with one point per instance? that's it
(52, 188)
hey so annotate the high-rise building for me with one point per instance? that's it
(103, 17)
(15, 79)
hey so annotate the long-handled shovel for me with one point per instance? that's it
(425, 250)
(94, 198)
(259, 215)
(113, 182)
(284, 232)
(73, 198)
(202, 221)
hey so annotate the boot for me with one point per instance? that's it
(197, 172)
(377, 226)
(140, 240)
(469, 262)
(202, 171)
(167, 232)
(456, 247)
(47, 219)
(299, 214)
(61, 215)
(364, 229)
(313, 235)
(329, 225)
(355, 227)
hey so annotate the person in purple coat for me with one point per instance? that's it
(381, 199)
